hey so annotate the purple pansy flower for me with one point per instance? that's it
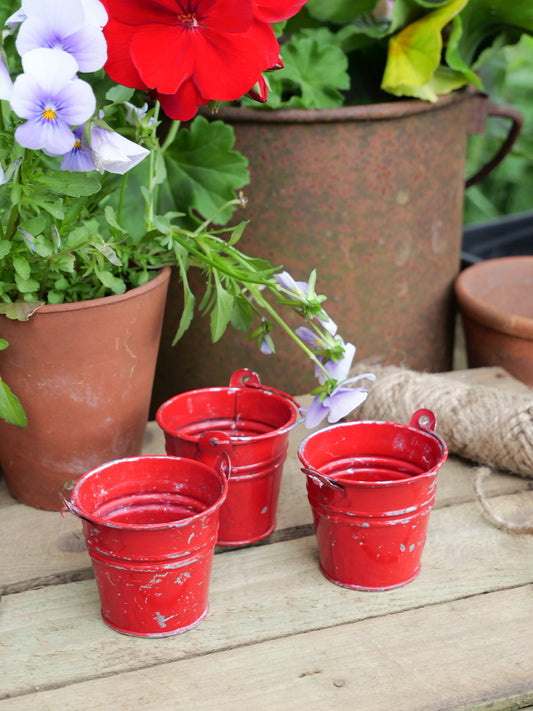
(112, 152)
(79, 159)
(298, 289)
(6, 85)
(342, 400)
(56, 24)
(52, 100)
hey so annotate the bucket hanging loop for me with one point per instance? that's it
(426, 421)
(69, 506)
(250, 379)
(216, 450)
(336, 487)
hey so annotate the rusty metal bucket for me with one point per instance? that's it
(372, 196)
(150, 526)
(257, 421)
(371, 487)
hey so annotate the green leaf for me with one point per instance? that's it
(415, 53)
(242, 314)
(75, 184)
(108, 252)
(485, 23)
(54, 208)
(339, 11)
(314, 72)
(10, 408)
(5, 247)
(111, 219)
(203, 170)
(22, 267)
(237, 233)
(221, 313)
(119, 94)
(20, 310)
(115, 284)
(3, 344)
(26, 286)
(35, 225)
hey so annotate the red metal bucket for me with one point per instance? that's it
(150, 526)
(371, 486)
(257, 420)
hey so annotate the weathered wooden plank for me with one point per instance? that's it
(42, 547)
(54, 635)
(458, 655)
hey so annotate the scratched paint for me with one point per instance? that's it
(150, 526)
(255, 421)
(371, 487)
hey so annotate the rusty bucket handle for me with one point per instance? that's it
(483, 110)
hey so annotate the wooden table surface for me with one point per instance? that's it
(278, 635)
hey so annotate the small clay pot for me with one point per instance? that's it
(495, 298)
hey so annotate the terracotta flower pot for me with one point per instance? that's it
(372, 196)
(495, 298)
(84, 374)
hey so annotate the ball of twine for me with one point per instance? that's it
(486, 425)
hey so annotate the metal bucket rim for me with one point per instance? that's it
(73, 506)
(295, 418)
(362, 112)
(358, 483)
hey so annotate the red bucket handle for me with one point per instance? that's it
(246, 378)
(335, 486)
(215, 449)
(69, 506)
(426, 421)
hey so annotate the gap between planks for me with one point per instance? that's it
(431, 659)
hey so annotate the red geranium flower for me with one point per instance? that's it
(192, 51)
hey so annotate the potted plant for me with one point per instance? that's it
(100, 195)
(357, 165)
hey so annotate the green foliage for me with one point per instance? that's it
(74, 236)
(10, 408)
(414, 48)
(315, 72)
(507, 190)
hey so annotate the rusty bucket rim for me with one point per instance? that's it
(361, 112)
(180, 523)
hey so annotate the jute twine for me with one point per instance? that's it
(486, 425)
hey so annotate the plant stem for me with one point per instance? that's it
(276, 317)
(171, 135)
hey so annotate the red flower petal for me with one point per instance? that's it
(223, 15)
(182, 105)
(193, 50)
(276, 10)
(119, 64)
(163, 56)
(227, 66)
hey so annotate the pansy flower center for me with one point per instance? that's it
(49, 114)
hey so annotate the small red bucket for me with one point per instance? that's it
(257, 420)
(371, 486)
(150, 526)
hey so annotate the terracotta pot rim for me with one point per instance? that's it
(364, 112)
(162, 275)
(488, 314)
